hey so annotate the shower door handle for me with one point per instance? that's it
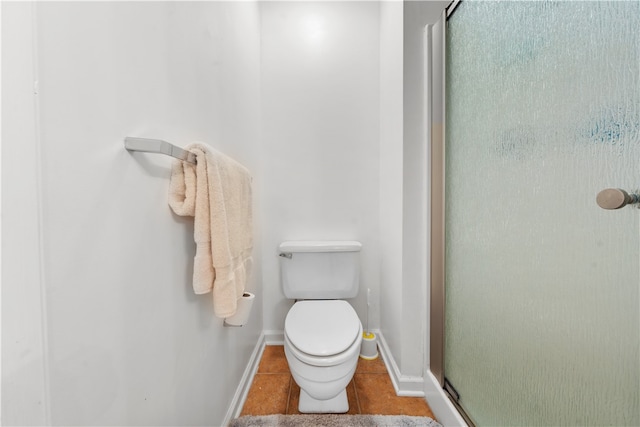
(615, 198)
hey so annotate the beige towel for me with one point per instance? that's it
(217, 193)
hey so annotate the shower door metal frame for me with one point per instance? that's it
(436, 82)
(436, 87)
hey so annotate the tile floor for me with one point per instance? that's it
(370, 391)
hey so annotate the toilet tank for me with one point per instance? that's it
(320, 269)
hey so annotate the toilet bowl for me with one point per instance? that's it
(322, 345)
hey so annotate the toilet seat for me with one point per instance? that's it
(324, 361)
(322, 328)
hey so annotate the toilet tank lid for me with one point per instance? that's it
(321, 246)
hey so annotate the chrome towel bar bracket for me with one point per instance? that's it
(160, 147)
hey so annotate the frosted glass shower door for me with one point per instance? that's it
(542, 285)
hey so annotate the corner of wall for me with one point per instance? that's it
(25, 396)
(404, 385)
(390, 173)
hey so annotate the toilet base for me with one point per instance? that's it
(336, 405)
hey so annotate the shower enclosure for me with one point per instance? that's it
(541, 319)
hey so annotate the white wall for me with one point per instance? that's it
(391, 178)
(125, 341)
(320, 100)
(404, 182)
(339, 154)
(23, 377)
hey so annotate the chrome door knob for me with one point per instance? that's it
(616, 198)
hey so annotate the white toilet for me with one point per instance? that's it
(322, 333)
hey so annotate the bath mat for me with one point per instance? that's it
(333, 420)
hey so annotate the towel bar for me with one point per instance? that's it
(158, 146)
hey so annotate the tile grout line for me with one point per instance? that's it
(355, 391)
(286, 410)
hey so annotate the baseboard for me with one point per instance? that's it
(405, 385)
(274, 337)
(442, 407)
(240, 396)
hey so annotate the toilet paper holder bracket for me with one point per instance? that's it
(228, 325)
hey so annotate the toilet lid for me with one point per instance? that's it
(322, 328)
